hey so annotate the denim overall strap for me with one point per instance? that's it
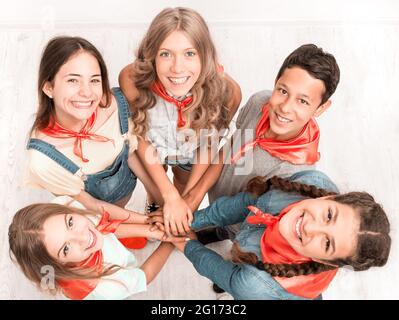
(50, 151)
(123, 109)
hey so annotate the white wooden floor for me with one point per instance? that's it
(359, 133)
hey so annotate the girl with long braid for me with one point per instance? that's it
(293, 238)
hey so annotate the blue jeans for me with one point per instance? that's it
(244, 281)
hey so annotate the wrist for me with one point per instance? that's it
(180, 245)
(138, 218)
(171, 195)
(193, 199)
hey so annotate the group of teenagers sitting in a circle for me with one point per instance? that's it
(291, 228)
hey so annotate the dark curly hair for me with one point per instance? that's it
(319, 64)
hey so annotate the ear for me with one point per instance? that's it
(320, 109)
(48, 89)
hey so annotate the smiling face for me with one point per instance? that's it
(76, 90)
(71, 238)
(178, 64)
(321, 229)
(295, 100)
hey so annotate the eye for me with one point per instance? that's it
(328, 243)
(72, 80)
(329, 215)
(302, 101)
(70, 222)
(190, 53)
(65, 250)
(282, 91)
(96, 81)
(164, 54)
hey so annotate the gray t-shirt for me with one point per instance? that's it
(256, 161)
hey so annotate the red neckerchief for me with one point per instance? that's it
(299, 150)
(276, 250)
(78, 289)
(57, 131)
(159, 90)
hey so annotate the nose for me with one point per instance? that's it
(314, 228)
(178, 64)
(287, 105)
(85, 90)
(80, 238)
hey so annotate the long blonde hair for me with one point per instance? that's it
(28, 250)
(211, 92)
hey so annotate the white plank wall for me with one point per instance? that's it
(360, 132)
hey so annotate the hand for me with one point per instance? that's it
(177, 216)
(156, 220)
(162, 236)
(180, 245)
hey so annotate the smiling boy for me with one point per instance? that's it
(277, 133)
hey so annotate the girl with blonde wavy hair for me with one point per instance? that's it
(176, 87)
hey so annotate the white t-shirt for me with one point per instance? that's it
(176, 143)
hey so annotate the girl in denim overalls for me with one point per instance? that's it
(290, 246)
(81, 143)
(176, 88)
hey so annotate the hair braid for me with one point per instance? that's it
(279, 270)
(292, 270)
(259, 185)
(373, 241)
(302, 188)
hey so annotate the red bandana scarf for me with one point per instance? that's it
(78, 289)
(57, 131)
(299, 150)
(276, 250)
(159, 90)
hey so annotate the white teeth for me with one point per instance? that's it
(91, 239)
(298, 223)
(179, 80)
(82, 104)
(280, 118)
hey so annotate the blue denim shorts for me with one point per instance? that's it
(186, 166)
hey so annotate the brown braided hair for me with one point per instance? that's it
(373, 243)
